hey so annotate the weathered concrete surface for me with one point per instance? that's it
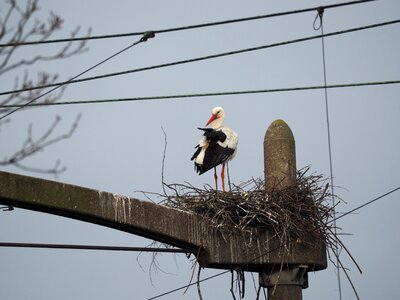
(219, 249)
(139, 217)
(280, 173)
(279, 156)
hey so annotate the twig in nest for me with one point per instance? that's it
(242, 282)
(191, 277)
(198, 283)
(163, 161)
(348, 277)
(154, 266)
(258, 292)
(291, 213)
(231, 289)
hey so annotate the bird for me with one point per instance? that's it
(217, 146)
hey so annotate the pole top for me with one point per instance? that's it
(279, 156)
(279, 129)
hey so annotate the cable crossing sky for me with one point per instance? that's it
(144, 38)
(189, 27)
(71, 81)
(210, 94)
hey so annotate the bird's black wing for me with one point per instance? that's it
(197, 152)
(213, 136)
(214, 156)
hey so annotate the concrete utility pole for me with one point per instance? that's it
(280, 173)
(215, 248)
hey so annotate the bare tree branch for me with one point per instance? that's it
(25, 15)
(3, 24)
(18, 24)
(42, 31)
(63, 53)
(56, 170)
(22, 98)
(32, 146)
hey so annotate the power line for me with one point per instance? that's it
(189, 27)
(145, 37)
(321, 27)
(181, 62)
(92, 247)
(188, 285)
(365, 204)
(213, 94)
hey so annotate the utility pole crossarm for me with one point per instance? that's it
(142, 218)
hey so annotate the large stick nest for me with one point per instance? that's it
(299, 210)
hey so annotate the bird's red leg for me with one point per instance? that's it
(216, 179)
(223, 177)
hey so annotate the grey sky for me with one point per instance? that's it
(118, 147)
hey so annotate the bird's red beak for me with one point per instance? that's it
(213, 117)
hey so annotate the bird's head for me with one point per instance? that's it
(217, 117)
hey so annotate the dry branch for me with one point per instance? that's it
(33, 145)
(290, 214)
(20, 21)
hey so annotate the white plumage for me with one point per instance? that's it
(217, 146)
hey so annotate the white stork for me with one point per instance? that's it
(217, 146)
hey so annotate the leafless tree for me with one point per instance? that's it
(19, 23)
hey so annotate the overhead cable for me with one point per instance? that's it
(213, 94)
(144, 38)
(320, 15)
(188, 285)
(224, 54)
(189, 27)
(94, 247)
(366, 204)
